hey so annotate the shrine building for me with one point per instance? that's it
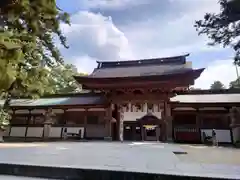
(140, 100)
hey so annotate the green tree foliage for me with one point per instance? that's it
(27, 31)
(35, 22)
(61, 80)
(217, 85)
(194, 89)
(234, 84)
(223, 28)
(4, 118)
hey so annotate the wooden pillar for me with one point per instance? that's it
(28, 121)
(63, 133)
(108, 121)
(168, 118)
(85, 123)
(121, 119)
(198, 124)
(157, 133)
(13, 116)
(143, 130)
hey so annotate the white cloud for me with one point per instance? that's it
(172, 34)
(111, 4)
(222, 70)
(94, 37)
(168, 31)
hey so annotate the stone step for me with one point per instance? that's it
(67, 173)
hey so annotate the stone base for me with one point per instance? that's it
(74, 173)
(108, 138)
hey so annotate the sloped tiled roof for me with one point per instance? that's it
(60, 101)
(139, 71)
(157, 66)
(207, 98)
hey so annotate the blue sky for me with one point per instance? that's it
(137, 29)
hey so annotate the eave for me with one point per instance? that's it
(184, 78)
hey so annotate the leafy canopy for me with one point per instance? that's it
(217, 85)
(61, 79)
(223, 28)
(27, 45)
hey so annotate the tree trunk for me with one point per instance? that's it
(1, 135)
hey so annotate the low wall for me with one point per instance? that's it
(222, 135)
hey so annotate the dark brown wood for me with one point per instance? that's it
(150, 120)
(202, 105)
(168, 85)
(61, 107)
(137, 98)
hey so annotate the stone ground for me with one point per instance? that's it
(195, 160)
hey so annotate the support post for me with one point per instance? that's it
(121, 118)
(108, 122)
(168, 118)
(198, 124)
(85, 123)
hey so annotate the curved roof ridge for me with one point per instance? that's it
(147, 59)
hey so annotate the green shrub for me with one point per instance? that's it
(5, 118)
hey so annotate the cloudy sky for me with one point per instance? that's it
(137, 29)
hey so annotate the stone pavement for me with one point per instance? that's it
(157, 158)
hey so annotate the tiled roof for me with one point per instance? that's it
(149, 67)
(207, 98)
(64, 101)
(139, 71)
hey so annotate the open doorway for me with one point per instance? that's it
(150, 133)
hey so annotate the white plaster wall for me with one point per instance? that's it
(55, 132)
(132, 114)
(18, 131)
(35, 132)
(96, 131)
(223, 136)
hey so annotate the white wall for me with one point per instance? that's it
(132, 113)
(223, 136)
(99, 131)
(18, 131)
(55, 132)
(34, 131)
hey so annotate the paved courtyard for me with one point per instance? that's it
(128, 156)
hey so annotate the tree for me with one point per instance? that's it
(193, 88)
(223, 28)
(217, 85)
(61, 80)
(27, 28)
(37, 22)
(234, 84)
